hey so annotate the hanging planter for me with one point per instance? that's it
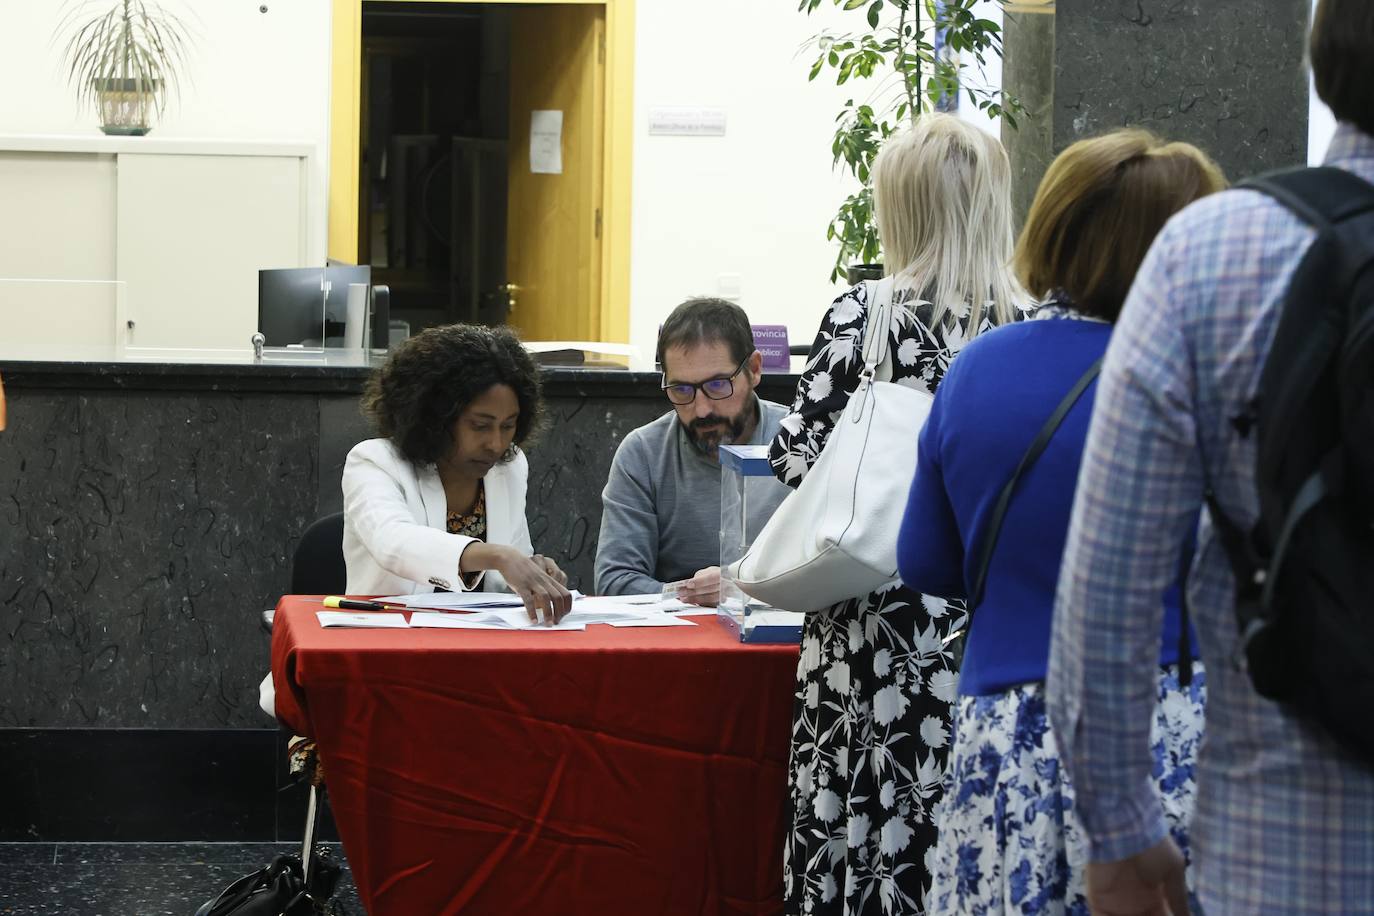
(123, 57)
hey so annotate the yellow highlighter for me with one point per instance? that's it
(356, 604)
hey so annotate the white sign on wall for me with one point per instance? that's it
(687, 122)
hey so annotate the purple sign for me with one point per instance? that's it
(771, 341)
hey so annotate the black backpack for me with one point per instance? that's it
(1305, 573)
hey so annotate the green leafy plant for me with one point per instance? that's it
(896, 50)
(124, 58)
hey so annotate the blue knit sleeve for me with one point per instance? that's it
(930, 551)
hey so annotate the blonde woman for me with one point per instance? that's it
(870, 736)
(1009, 839)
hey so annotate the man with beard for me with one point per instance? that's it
(660, 517)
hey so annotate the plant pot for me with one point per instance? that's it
(856, 273)
(126, 105)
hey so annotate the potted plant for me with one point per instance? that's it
(911, 49)
(124, 57)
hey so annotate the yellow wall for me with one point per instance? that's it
(345, 108)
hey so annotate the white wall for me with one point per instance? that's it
(747, 211)
(1321, 123)
(253, 76)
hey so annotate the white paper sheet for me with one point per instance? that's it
(366, 619)
(656, 620)
(519, 619)
(546, 142)
(619, 600)
(464, 601)
(646, 604)
(441, 621)
(683, 609)
(498, 619)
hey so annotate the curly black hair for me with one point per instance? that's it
(431, 378)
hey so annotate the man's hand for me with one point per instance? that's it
(702, 589)
(1149, 883)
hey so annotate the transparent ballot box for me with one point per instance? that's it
(746, 482)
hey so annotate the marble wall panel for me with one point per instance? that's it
(1227, 75)
(141, 536)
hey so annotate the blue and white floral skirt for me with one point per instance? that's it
(1010, 840)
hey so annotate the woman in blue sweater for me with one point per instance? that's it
(1009, 841)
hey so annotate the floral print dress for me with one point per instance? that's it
(1010, 839)
(876, 680)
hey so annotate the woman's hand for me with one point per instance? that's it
(539, 583)
(551, 568)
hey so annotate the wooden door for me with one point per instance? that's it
(553, 235)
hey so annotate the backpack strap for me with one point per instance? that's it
(1326, 198)
(1185, 645)
(1321, 196)
(999, 514)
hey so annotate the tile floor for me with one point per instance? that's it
(134, 879)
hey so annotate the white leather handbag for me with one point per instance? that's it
(835, 537)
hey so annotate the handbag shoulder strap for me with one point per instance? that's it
(999, 512)
(875, 343)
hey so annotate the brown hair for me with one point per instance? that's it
(1099, 208)
(706, 320)
(1342, 50)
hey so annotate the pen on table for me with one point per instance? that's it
(357, 604)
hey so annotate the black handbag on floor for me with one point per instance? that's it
(290, 886)
(276, 890)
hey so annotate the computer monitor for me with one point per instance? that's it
(306, 305)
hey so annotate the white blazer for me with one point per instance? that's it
(395, 514)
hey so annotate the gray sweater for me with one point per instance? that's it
(660, 511)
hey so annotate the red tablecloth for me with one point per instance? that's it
(611, 771)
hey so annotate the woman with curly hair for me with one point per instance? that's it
(439, 501)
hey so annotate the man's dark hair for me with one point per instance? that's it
(431, 378)
(1342, 51)
(707, 320)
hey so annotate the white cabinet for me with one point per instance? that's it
(184, 226)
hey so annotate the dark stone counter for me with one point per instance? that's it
(151, 511)
(303, 377)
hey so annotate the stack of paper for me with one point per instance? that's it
(458, 601)
(364, 619)
(504, 611)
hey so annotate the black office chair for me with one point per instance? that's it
(317, 566)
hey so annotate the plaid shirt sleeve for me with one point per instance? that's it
(1138, 494)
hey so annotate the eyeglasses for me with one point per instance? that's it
(717, 389)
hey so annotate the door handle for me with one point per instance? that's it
(510, 289)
